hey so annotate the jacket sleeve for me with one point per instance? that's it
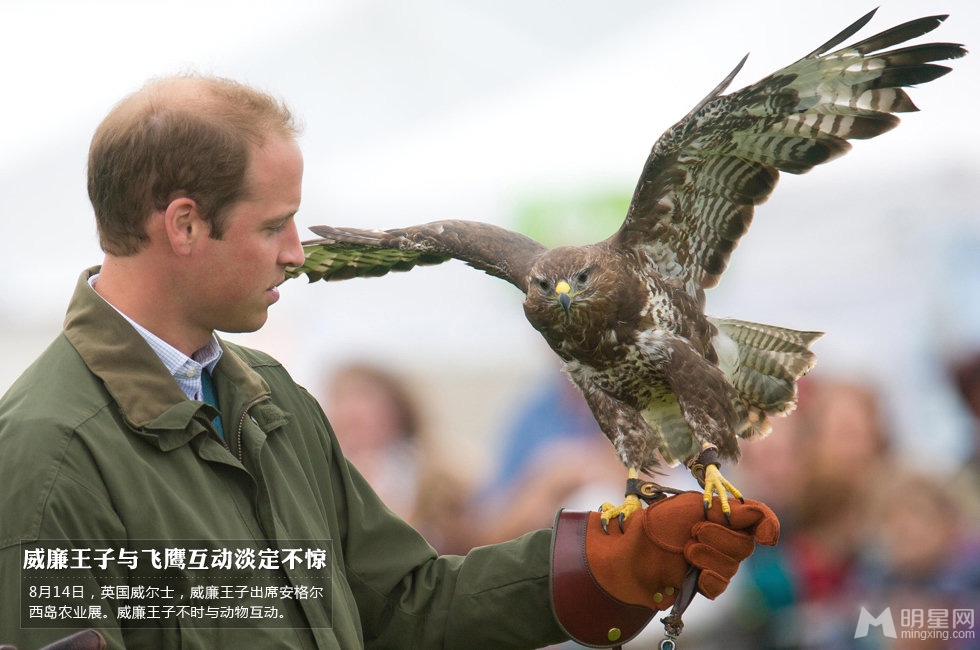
(50, 505)
(395, 589)
(496, 596)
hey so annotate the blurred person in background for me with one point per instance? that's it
(847, 451)
(848, 442)
(381, 428)
(378, 424)
(553, 411)
(965, 376)
(553, 455)
(764, 602)
(919, 553)
(859, 530)
(819, 469)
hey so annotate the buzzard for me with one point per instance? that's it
(665, 382)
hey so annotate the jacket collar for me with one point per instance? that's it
(148, 397)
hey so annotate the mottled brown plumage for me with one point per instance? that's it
(626, 315)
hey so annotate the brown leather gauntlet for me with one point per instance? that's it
(607, 586)
(588, 613)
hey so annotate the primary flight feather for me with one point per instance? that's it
(665, 382)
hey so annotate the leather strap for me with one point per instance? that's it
(587, 613)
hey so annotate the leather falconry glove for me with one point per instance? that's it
(607, 586)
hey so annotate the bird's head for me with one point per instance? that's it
(562, 279)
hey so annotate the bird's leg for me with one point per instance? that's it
(628, 507)
(705, 468)
(636, 490)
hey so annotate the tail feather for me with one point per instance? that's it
(763, 363)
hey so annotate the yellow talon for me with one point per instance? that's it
(623, 511)
(628, 507)
(715, 482)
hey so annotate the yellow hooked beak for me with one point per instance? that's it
(564, 294)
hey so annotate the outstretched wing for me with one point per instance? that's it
(344, 253)
(698, 188)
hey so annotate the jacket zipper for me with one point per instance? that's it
(241, 424)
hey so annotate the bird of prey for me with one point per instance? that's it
(665, 382)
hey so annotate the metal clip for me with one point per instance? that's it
(673, 625)
(648, 491)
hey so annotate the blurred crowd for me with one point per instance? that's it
(862, 527)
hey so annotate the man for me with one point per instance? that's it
(139, 431)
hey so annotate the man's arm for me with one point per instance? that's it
(48, 504)
(496, 596)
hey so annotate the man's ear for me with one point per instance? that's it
(184, 224)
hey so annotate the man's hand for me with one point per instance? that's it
(644, 566)
(647, 562)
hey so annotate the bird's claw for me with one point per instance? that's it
(714, 482)
(621, 512)
(705, 468)
(636, 491)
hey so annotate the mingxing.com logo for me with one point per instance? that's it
(883, 620)
(919, 624)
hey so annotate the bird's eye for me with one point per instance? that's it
(543, 284)
(583, 277)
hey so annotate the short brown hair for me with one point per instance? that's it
(177, 136)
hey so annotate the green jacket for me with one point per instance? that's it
(100, 448)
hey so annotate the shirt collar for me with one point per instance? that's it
(186, 370)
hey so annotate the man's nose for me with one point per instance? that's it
(292, 251)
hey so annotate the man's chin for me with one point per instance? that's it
(246, 326)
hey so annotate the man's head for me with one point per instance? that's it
(195, 183)
(179, 136)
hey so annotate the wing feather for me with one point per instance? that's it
(697, 191)
(343, 253)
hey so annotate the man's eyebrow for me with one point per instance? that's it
(279, 219)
